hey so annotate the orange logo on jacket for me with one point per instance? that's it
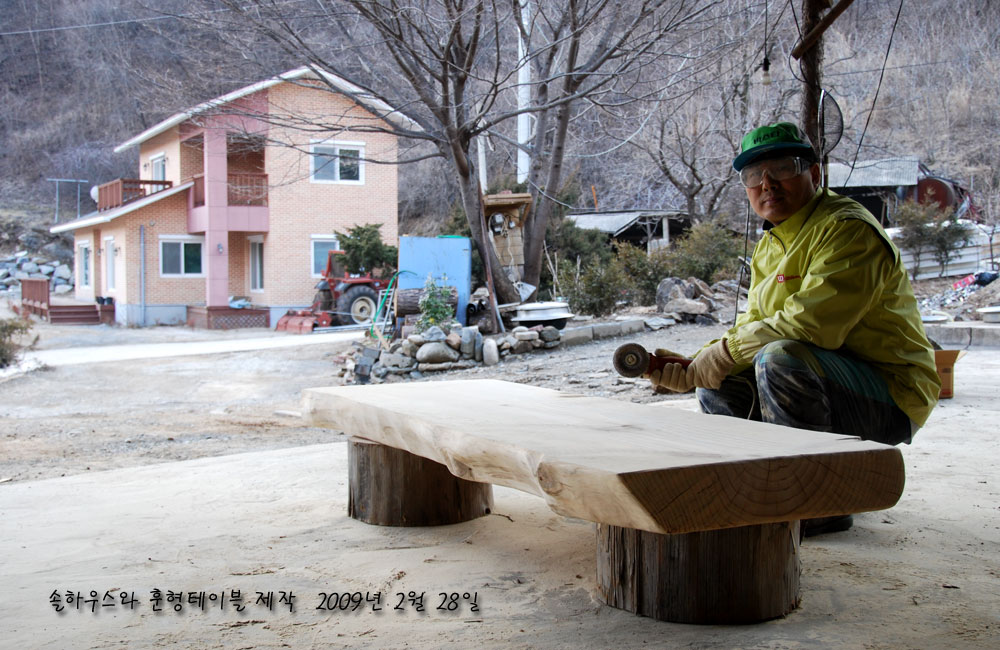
(782, 277)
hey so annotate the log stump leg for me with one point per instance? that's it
(392, 487)
(731, 576)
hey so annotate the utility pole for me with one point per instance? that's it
(523, 95)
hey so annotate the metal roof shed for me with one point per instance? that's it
(635, 226)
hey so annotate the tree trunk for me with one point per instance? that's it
(811, 76)
(392, 487)
(730, 576)
(506, 292)
(408, 300)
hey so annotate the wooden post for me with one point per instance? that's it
(730, 576)
(392, 487)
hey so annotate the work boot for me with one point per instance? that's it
(823, 525)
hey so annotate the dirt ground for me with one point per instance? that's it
(64, 420)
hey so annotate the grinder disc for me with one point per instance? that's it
(631, 360)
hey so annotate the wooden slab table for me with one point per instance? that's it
(697, 515)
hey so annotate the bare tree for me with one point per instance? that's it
(447, 65)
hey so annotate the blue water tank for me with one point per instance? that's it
(447, 259)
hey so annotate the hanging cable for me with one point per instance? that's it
(881, 74)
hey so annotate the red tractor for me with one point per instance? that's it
(341, 298)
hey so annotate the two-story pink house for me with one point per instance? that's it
(240, 196)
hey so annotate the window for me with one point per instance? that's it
(321, 247)
(181, 256)
(109, 262)
(83, 266)
(158, 165)
(337, 162)
(257, 264)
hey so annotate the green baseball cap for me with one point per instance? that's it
(782, 136)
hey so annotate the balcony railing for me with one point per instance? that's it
(248, 188)
(245, 188)
(125, 190)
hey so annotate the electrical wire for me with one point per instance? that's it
(871, 112)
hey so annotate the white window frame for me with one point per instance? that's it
(109, 263)
(83, 271)
(182, 239)
(337, 145)
(256, 268)
(314, 239)
(153, 161)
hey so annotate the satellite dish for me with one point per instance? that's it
(93, 193)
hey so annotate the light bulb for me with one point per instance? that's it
(765, 77)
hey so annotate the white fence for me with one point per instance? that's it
(973, 257)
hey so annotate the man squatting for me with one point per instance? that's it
(832, 338)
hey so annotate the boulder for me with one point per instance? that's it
(29, 267)
(468, 341)
(436, 352)
(434, 333)
(63, 271)
(525, 335)
(672, 289)
(549, 334)
(491, 354)
(61, 289)
(395, 362)
(453, 340)
(58, 250)
(435, 367)
(522, 346)
(409, 348)
(659, 323)
(701, 287)
(685, 306)
(416, 339)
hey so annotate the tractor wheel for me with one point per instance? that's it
(357, 306)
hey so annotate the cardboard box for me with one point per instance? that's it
(945, 360)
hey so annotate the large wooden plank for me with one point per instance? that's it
(629, 465)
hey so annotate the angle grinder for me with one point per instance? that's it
(632, 360)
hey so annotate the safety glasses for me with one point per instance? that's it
(777, 169)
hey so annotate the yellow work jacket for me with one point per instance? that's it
(829, 275)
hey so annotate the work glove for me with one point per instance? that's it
(711, 366)
(673, 376)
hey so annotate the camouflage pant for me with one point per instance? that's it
(800, 385)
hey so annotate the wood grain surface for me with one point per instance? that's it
(619, 463)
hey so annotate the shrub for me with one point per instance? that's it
(434, 307)
(709, 252)
(926, 228)
(597, 288)
(365, 251)
(12, 330)
(645, 271)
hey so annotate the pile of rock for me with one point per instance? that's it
(693, 301)
(433, 350)
(22, 266)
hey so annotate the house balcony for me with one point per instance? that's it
(125, 190)
(246, 205)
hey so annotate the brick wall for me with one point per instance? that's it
(300, 208)
(166, 143)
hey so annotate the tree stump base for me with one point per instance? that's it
(731, 576)
(392, 487)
